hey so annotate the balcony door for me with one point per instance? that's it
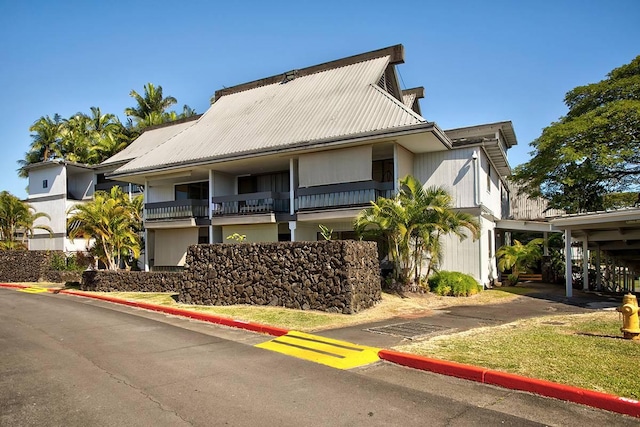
(277, 182)
(192, 191)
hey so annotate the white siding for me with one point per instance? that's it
(453, 170)
(461, 256)
(254, 232)
(306, 232)
(56, 209)
(405, 159)
(56, 177)
(335, 166)
(160, 193)
(223, 184)
(171, 245)
(488, 269)
(80, 185)
(490, 195)
(45, 244)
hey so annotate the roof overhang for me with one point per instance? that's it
(58, 162)
(408, 136)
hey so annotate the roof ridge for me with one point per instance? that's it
(173, 122)
(395, 53)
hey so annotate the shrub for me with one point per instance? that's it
(74, 262)
(453, 283)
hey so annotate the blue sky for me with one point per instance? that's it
(479, 61)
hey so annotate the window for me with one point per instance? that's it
(277, 181)
(382, 170)
(45, 183)
(489, 179)
(192, 191)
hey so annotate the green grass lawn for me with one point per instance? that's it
(584, 350)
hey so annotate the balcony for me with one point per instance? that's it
(177, 209)
(251, 203)
(124, 186)
(351, 194)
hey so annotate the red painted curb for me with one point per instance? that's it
(595, 399)
(445, 367)
(205, 317)
(13, 286)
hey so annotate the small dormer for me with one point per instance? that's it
(411, 97)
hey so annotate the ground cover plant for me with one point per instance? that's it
(453, 283)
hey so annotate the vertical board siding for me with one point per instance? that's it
(452, 170)
(160, 193)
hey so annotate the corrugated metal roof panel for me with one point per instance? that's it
(147, 142)
(329, 104)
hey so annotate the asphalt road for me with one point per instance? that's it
(69, 361)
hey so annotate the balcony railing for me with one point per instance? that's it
(251, 203)
(178, 209)
(350, 194)
(124, 186)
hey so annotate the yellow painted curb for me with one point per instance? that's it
(335, 353)
(33, 290)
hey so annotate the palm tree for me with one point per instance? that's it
(151, 107)
(108, 136)
(519, 258)
(113, 221)
(17, 217)
(76, 138)
(413, 223)
(45, 144)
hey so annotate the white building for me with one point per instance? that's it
(274, 158)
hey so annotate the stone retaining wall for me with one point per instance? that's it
(334, 276)
(25, 266)
(131, 281)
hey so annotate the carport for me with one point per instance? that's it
(614, 234)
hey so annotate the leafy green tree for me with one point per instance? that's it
(82, 138)
(113, 221)
(17, 217)
(592, 151)
(46, 142)
(152, 106)
(413, 223)
(519, 258)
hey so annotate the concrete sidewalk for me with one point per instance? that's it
(544, 300)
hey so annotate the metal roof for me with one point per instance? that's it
(146, 142)
(334, 103)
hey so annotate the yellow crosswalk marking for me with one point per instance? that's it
(327, 351)
(33, 290)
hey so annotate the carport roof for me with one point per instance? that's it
(617, 231)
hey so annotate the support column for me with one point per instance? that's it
(292, 227)
(585, 264)
(145, 198)
(292, 192)
(210, 203)
(545, 248)
(567, 261)
(598, 270)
